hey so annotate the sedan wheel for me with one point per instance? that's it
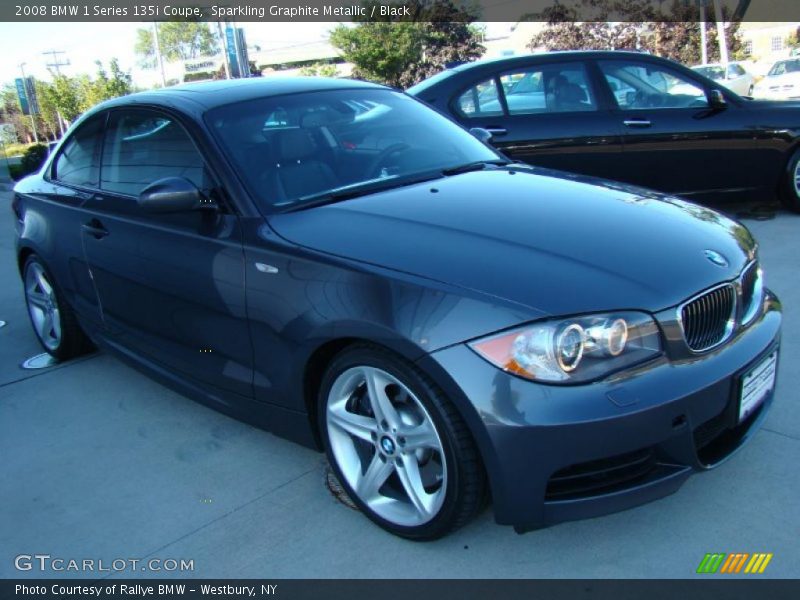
(397, 445)
(791, 188)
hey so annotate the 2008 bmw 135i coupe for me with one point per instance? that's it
(340, 264)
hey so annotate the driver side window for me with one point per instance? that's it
(644, 86)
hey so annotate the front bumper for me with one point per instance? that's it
(557, 453)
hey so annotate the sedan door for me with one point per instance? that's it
(171, 285)
(673, 139)
(546, 114)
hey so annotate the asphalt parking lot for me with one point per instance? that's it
(100, 462)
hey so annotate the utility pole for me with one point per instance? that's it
(57, 64)
(30, 104)
(723, 44)
(160, 60)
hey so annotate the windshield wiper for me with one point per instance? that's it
(475, 166)
(360, 189)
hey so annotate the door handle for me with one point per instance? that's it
(95, 229)
(497, 130)
(636, 123)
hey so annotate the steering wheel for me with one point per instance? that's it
(382, 156)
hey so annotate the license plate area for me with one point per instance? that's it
(756, 384)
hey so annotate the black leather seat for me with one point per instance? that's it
(297, 171)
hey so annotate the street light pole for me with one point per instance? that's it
(30, 105)
(222, 41)
(703, 36)
(723, 44)
(159, 58)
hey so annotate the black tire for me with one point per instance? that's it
(790, 188)
(73, 341)
(466, 480)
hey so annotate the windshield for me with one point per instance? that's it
(711, 72)
(291, 148)
(785, 66)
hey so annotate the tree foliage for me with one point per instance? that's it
(633, 24)
(320, 70)
(179, 40)
(65, 96)
(402, 51)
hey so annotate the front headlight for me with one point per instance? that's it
(573, 350)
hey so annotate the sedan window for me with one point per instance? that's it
(548, 88)
(648, 86)
(481, 100)
(785, 66)
(142, 147)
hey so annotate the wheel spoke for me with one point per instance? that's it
(421, 436)
(47, 324)
(38, 299)
(44, 285)
(56, 325)
(381, 404)
(375, 476)
(412, 484)
(356, 425)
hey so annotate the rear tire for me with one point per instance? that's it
(52, 319)
(409, 453)
(790, 187)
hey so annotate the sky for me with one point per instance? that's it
(84, 43)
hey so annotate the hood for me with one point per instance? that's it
(553, 242)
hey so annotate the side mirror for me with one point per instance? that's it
(173, 194)
(482, 134)
(716, 99)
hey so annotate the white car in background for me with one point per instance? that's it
(733, 76)
(782, 81)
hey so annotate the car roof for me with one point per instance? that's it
(205, 95)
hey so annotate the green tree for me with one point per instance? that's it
(103, 86)
(64, 93)
(179, 40)
(401, 52)
(48, 113)
(320, 70)
(629, 24)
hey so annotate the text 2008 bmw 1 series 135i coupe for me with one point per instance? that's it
(340, 264)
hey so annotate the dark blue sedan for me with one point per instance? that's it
(338, 263)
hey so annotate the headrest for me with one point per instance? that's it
(294, 144)
(572, 92)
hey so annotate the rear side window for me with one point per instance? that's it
(78, 163)
(142, 147)
(548, 89)
(481, 100)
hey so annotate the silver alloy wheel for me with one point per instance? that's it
(42, 306)
(797, 178)
(386, 446)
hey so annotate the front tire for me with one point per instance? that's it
(790, 192)
(53, 321)
(397, 445)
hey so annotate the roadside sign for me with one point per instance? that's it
(26, 93)
(22, 94)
